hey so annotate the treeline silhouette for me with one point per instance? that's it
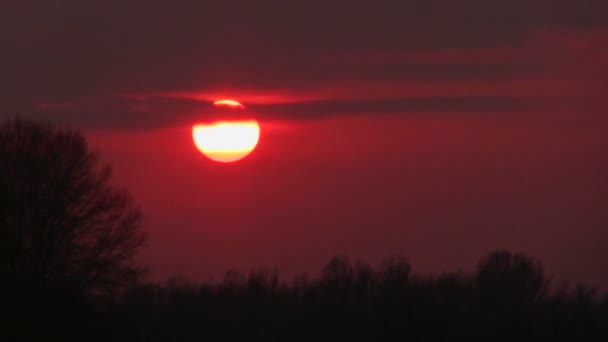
(68, 238)
(508, 298)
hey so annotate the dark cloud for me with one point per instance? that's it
(74, 51)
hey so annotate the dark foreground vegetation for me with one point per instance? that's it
(506, 299)
(68, 238)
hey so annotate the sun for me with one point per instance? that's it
(226, 141)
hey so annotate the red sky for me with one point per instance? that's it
(439, 130)
(441, 190)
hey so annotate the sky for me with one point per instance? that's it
(439, 130)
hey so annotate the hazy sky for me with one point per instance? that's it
(439, 130)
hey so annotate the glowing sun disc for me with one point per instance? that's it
(226, 141)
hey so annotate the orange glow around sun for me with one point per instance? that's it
(226, 141)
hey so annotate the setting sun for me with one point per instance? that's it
(226, 141)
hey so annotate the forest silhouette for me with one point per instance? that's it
(68, 238)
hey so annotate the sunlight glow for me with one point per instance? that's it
(226, 141)
(229, 103)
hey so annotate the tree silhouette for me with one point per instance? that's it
(511, 287)
(65, 230)
(508, 279)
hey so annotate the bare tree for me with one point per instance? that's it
(63, 225)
